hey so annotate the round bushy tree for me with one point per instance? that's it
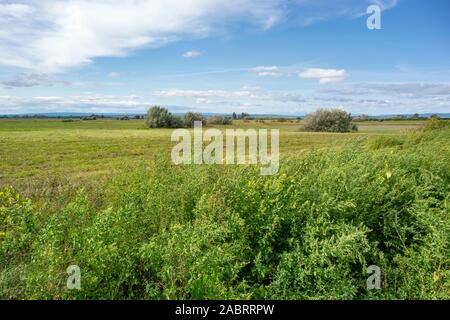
(191, 117)
(159, 117)
(334, 120)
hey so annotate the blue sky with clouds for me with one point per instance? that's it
(266, 56)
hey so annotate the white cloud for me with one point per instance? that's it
(251, 88)
(26, 80)
(203, 101)
(246, 95)
(204, 94)
(33, 80)
(264, 71)
(324, 75)
(47, 98)
(375, 98)
(410, 90)
(313, 11)
(192, 54)
(11, 11)
(73, 103)
(51, 35)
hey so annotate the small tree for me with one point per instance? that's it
(191, 117)
(158, 117)
(334, 120)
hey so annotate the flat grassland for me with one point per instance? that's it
(40, 149)
(103, 195)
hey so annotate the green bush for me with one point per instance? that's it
(17, 223)
(384, 142)
(334, 120)
(158, 117)
(18, 228)
(434, 123)
(190, 117)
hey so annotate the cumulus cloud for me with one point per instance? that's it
(51, 35)
(192, 54)
(324, 75)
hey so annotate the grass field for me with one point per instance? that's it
(103, 195)
(41, 149)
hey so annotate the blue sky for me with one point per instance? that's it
(269, 56)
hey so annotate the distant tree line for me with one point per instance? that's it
(159, 117)
(164, 119)
(415, 116)
(243, 115)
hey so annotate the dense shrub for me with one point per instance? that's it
(384, 142)
(18, 228)
(158, 117)
(334, 120)
(435, 123)
(210, 232)
(16, 222)
(190, 117)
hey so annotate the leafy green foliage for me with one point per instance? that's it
(334, 120)
(190, 117)
(210, 232)
(158, 117)
(17, 231)
(16, 222)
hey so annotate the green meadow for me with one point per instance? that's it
(34, 150)
(104, 195)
